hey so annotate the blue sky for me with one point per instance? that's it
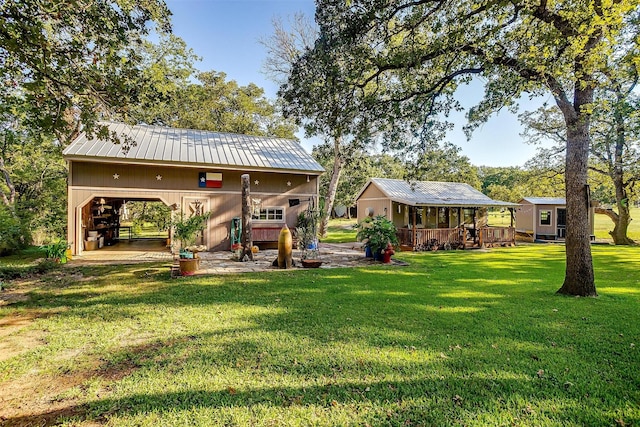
(225, 34)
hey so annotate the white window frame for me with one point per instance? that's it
(273, 211)
(550, 212)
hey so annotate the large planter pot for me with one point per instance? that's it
(188, 266)
(367, 252)
(311, 263)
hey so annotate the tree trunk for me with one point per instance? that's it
(247, 232)
(619, 233)
(579, 278)
(620, 224)
(338, 163)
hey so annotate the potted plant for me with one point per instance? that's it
(376, 233)
(185, 230)
(57, 251)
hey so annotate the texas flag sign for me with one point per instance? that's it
(210, 180)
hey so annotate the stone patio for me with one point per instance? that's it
(333, 255)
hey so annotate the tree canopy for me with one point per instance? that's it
(401, 60)
(66, 64)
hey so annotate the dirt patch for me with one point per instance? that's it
(36, 399)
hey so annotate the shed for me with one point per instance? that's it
(545, 218)
(190, 171)
(426, 210)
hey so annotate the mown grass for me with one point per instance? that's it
(456, 338)
(341, 230)
(603, 224)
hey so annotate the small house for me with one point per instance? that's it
(545, 218)
(426, 211)
(191, 171)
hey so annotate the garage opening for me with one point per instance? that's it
(111, 223)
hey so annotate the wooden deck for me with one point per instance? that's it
(426, 238)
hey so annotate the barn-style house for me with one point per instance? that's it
(190, 171)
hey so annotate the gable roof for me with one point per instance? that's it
(546, 200)
(431, 193)
(188, 147)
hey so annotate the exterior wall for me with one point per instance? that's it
(399, 214)
(179, 186)
(525, 214)
(373, 202)
(528, 219)
(546, 229)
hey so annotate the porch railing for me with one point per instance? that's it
(497, 235)
(456, 236)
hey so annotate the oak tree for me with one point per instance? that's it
(405, 57)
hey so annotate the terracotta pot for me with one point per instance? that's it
(188, 266)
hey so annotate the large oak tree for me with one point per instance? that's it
(406, 57)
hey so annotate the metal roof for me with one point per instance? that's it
(188, 147)
(546, 200)
(430, 193)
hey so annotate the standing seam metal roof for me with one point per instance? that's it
(546, 200)
(196, 147)
(434, 193)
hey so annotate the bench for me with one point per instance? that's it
(268, 235)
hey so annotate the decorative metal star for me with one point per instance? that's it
(288, 183)
(256, 182)
(159, 177)
(116, 176)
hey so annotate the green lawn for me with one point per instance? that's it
(470, 338)
(341, 230)
(603, 225)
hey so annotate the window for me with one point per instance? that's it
(269, 214)
(545, 217)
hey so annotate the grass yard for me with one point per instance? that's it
(469, 338)
(341, 230)
(603, 225)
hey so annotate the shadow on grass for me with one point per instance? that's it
(452, 324)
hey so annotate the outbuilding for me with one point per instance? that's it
(442, 212)
(545, 218)
(192, 171)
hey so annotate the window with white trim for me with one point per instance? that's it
(268, 214)
(545, 217)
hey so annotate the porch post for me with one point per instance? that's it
(475, 226)
(415, 233)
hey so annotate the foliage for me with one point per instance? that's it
(186, 228)
(12, 234)
(34, 184)
(614, 153)
(217, 104)
(67, 64)
(56, 250)
(156, 214)
(467, 338)
(402, 61)
(511, 184)
(358, 168)
(377, 232)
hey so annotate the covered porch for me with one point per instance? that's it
(452, 227)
